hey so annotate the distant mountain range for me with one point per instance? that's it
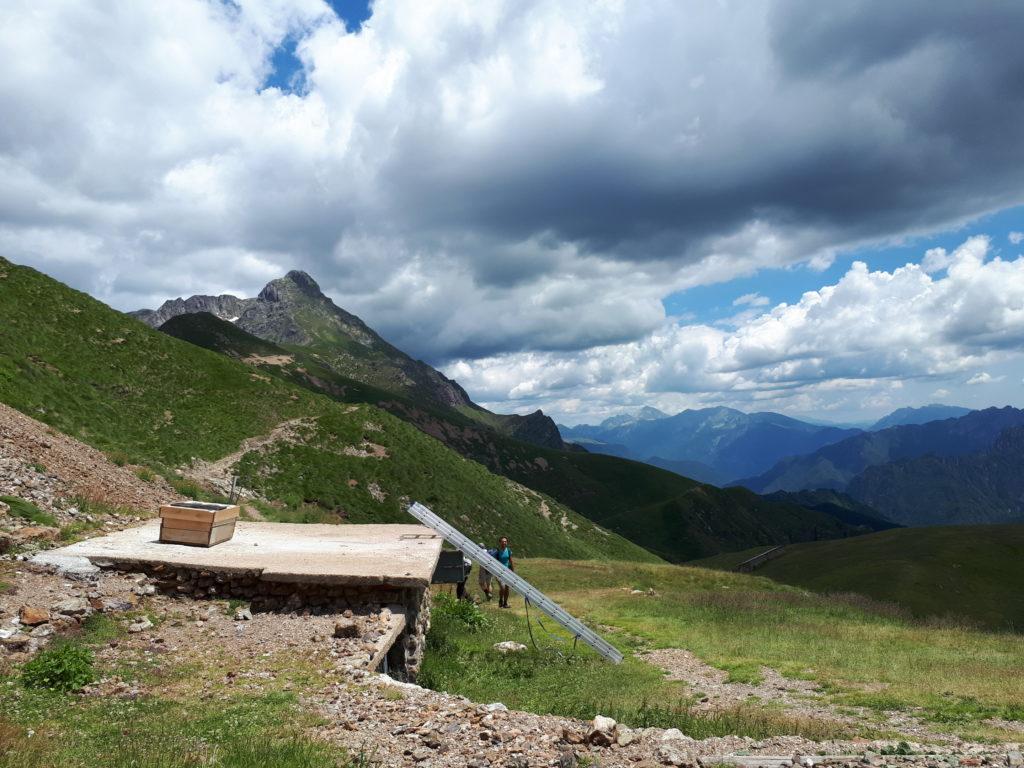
(950, 471)
(934, 412)
(714, 445)
(986, 486)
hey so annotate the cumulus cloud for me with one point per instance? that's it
(478, 178)
(984, 377)
(751, 300)
(866, 334)
(1015, 238)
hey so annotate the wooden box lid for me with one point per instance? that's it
(199, 511)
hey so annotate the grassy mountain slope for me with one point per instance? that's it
(974, 572)
(118, 385)
(293, 313)
(839, 505)
(679, 516)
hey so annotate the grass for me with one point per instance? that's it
(148, 399)
(185, 727)
(242, 732)
(862, 653)
(555, 678)
(319, 478)
(959, 573)
(26, 510)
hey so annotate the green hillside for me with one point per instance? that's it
(109, 380)
(969, 571)
(672, 515)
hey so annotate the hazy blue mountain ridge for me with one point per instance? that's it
(924, 414)
(835, 466)
(731, 443)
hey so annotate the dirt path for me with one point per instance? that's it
(219, 474)
(803, 698)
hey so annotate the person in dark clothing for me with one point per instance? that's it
(460, 588)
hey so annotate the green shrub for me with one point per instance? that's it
(67, 667)
(448, 609)
(26, 510)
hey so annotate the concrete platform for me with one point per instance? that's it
(363, 555)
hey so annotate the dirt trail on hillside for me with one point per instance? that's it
(803, 698)
(49, 469)
(218, 474)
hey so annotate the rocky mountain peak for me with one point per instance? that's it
(289, 287)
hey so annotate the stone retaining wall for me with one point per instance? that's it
(406, 654)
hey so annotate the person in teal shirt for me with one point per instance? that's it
(504, 556)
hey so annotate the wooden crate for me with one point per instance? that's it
(197, 523)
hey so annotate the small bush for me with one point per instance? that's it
(464, 612)
(120, 458)
(903, 748)
(67, 667)
(28, 511)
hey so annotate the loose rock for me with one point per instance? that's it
(32, 616)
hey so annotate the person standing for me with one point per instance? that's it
(460, 588)
(483, 576)
(504, 556)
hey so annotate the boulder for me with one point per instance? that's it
(509, 646)
(116, 604)
(602, 731)
(625, 736)
(674, 734)
(140, 626)
(41, 532)
(43, 630)
(73, 606)
(675, 752)
(32, 616)
(16, 642)
(346, 628)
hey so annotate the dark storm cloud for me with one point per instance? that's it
(512, 176)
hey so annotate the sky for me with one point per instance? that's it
(583, 206)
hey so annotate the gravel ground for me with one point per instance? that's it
(396, 724)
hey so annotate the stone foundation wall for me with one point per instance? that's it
(406, 654)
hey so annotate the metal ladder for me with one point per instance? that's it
(533, 595)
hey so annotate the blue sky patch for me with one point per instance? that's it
(712, 303)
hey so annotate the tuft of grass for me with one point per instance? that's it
(26, 510)
(74, 531)
(145, 474)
